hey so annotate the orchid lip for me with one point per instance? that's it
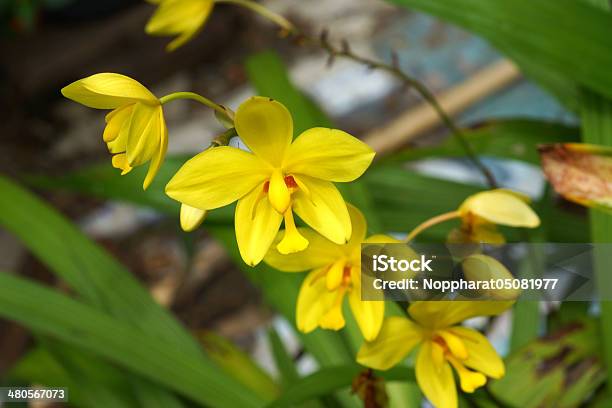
(289, 182)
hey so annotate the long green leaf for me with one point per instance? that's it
(279, 289)
(239, 365)
(99, 279)
(330, 379)
(150, 394)
(597, 129)
(96, 276)
(563, 43)
(50, 313)
(92, 383)
(514, 138)
(282, 359)
(596, 115)
(526, 317)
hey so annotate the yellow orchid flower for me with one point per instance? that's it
(135, 131)
(442, 344)
(481, 212)
(186, 18)
(275, 179)
(335, 272)
(181, 18)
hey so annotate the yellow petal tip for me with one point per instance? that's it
(191, 217)
(333, 320)
(251, 262)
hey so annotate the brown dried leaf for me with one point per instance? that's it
(580, 172)
(370, 389)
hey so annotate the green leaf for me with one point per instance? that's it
(597, 129)
(357, 194)
(151, 395)
(525, 323)
(327, 380)
(284, 362)
(94, 275)
(566, 226)
(96, 383)
(76, 324)
(596, 115)
(91, 381)
(404, 394)
(560, 370)
(516, 139)
(97, 277)
(568, 313)
(239, 365)
(280, 289)
(526, 317)
(563, 44)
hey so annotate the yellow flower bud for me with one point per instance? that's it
(135, 130)
(483, 268)
(191, 217)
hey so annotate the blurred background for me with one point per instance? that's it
(47, 44)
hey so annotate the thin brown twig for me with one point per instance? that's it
(289, 30)
(345, 51)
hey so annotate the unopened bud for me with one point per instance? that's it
(485, 268)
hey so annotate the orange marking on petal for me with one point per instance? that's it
(290, 182)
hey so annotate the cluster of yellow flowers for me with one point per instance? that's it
(277, 177)
(281, 176)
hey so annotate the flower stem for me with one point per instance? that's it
(195, 97)
(264, 12)
(224, 138)
(431, 222)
